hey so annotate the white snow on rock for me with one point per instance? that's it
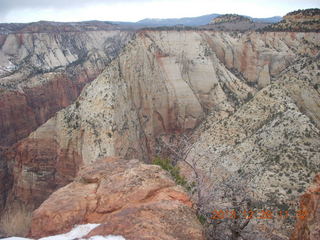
(15, 238)
(77, 232)
(110, 237)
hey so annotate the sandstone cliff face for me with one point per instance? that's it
(260, 57)
(153, 87)
(308, 225)
(135, 200)
(167, 82)
(42, 73)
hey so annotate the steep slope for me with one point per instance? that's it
(41, 73)
(166, 82)
(263, 156)
(153, 87)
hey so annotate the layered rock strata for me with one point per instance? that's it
(41, 73)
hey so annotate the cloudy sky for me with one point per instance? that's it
(134, 10)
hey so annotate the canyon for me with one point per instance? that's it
(248, 102)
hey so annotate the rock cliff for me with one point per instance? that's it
(253, 99)
(130, 198)
(263, 156)
(42, 73)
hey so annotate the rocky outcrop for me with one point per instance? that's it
(127, 197)
(261, 157)
(42, 73)
(308, 222)
(230, 18)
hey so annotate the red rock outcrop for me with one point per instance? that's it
(308, 225)
(22, 112)
(136, 200)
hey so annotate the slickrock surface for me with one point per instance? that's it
(308, 225)
(137, 200)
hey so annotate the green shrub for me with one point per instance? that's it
(202, 219)
(166, 164)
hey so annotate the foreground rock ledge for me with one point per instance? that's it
(129, 198)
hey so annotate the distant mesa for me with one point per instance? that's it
(230, 18)
(307, 20)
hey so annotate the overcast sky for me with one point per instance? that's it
(134, 10)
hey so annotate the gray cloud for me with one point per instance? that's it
(11, 5)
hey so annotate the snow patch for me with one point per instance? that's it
(77, 232)
(110, 237)
(15, 238)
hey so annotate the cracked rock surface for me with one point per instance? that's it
(128, 197)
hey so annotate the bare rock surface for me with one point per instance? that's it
(137, 200)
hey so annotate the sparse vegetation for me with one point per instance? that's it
(166, 164)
